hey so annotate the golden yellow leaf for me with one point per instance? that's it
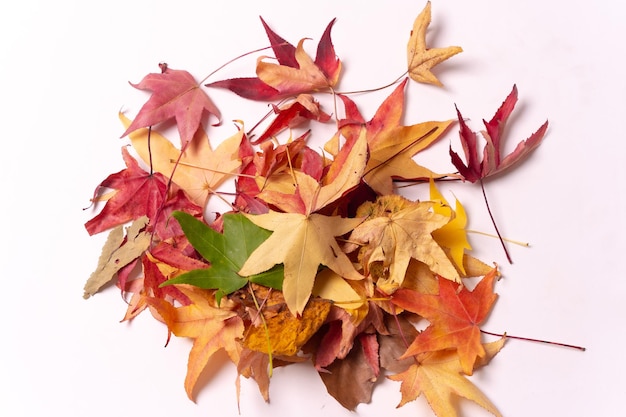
(286, 332)
(421, 58)
(453, 234)
(331, 286)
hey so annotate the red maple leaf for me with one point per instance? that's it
(304, 108)
(454, 317)
(138, 193)
(492, 162)
(175, 94)
(295, 74)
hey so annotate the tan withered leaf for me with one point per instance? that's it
(114, 257)
(421, 58)
(397, 231)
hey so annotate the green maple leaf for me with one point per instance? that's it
(227, 253)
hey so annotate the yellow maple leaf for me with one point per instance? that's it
(420, 58)
(398, 230)
(438, 375)
(330, 286)
(453, 234)
(201, 169)
(301, 243)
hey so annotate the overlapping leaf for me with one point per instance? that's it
(200, 170)
(137, 193)
(438, 375)
(455, 315)
(210, 327)
(227, 253)
(295, 73)
(398, 230)
(391, 145)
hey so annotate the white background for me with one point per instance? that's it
(64, 68)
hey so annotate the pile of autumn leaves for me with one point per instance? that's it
(319, 260)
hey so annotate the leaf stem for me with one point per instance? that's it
(493, 221)
(397, 80)
(527, 339)
(267, 331)
(236, 58)
(150, 149)
(515, 242)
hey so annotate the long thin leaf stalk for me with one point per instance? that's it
(493, 221)
(527, 339)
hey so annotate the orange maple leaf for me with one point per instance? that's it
(391, 145)
(212, 329)
(454, 316)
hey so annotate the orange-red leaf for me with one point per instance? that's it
(454, 316)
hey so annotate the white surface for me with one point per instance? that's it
(64, 71)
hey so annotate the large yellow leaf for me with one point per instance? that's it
(302, 243)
